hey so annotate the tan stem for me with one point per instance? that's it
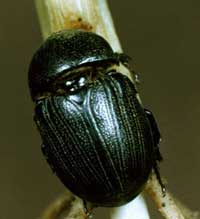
(61, 204)
(168, 205)
(91, 15)
(66, 206)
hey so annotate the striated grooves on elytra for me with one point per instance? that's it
(131, 122)
(139, 130)
(139, 143)
(65, 148)
(50, 132)
(124, 121)
(96, 131)
(82, 139)
(119, 122)
(110, 123)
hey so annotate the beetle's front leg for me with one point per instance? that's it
(156, 140)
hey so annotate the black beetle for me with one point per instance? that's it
(97, 137)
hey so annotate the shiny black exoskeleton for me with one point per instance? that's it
(96, 135)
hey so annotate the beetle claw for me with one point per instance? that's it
(88, 211)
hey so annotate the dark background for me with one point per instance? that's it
(164, 39)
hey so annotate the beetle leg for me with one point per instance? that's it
(155, 133)
(157, 172)
(156, 139)
(85, 207)
(88, 207)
